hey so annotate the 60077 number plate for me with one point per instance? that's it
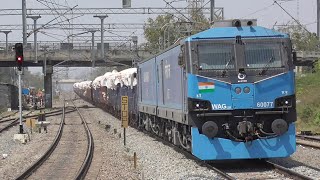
(264, 104)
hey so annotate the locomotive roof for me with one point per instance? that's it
(231, 32)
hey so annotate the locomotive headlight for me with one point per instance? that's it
(238, 90)
(246, 90)
(285, 101)
(199, 105)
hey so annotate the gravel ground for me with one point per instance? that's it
(249, 169)
(305, 161)
(155, 160)
(254, 174)
(110, 160)
(20, 156)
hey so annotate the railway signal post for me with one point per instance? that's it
(21, 136)
(19, 59)
(124, 116)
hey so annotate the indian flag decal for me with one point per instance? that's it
(206, 87)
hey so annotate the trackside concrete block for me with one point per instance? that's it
(23, 138)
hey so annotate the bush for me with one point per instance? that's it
(308, 94)
(317, 118)
(306, 113)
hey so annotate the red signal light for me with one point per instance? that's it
(20, 59)
(19, 55)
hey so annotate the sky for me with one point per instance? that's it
(266, 11)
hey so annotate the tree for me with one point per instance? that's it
(165, 30)
(302, 39)
(154, 31)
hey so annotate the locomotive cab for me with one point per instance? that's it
(240, 83)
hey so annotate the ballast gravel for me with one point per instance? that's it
(20, 156)
(154, 159)
(304, 161)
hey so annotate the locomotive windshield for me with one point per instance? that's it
(216, 56)
(258, 55)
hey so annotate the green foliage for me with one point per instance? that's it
(154, 33)
(165, 30)
(317, 66)
(302, 39)
(308, 106)
(317, 118)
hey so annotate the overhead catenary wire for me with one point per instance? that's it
(54, 9)
(54, 3)
(52, 20)
(292, 17)
(177, 11)
(260, 10)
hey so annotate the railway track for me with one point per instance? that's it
(220, 169)
(8, 115)
(253, 173)
(68, 157)
(308, 141)
(255, 169)
(287, 172)
(281, 170)
(9, 123)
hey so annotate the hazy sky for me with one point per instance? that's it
(265, 11)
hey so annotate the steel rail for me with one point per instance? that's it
(281, 169)
(15, 121)
(31, 116)
(90, 149)
(308, 138)
(306, 141)
(284, 170)
(12, 114)
(48, 153)
(308, 144)
(188, 155)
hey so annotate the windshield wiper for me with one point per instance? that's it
(266, 68)
(226, 67)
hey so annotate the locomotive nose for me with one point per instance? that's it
(279, 126)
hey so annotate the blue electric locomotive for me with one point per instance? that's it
(225, 93)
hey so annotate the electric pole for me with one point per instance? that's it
(92, 47)
(35, 43)
(102, 34)
(318, 18)
(212, 7)
(24, 22)
(7, 46)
